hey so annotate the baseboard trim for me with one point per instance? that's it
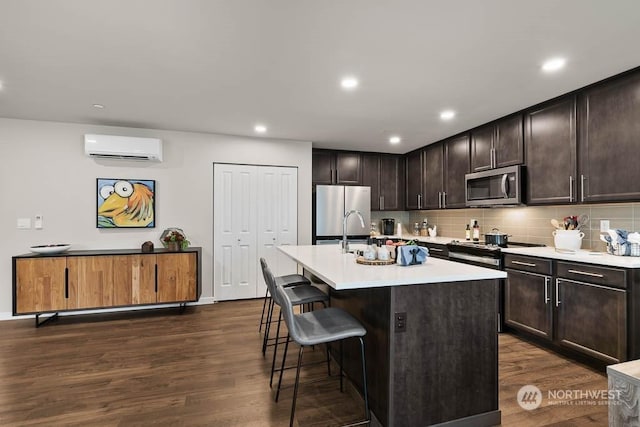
(7, 315)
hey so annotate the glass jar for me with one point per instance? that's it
(416, 229)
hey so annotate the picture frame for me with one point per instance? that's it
(125, 203)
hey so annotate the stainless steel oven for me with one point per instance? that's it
(499, 187)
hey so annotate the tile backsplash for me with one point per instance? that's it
(529, 224)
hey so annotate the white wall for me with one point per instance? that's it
(43, 170)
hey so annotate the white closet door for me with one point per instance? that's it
(287, 218)
(277, 218)
(235, 234)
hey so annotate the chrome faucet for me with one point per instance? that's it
(345, 243)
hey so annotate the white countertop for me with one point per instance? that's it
(585, 256)
(340, 271)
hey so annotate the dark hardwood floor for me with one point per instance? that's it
(205, 368)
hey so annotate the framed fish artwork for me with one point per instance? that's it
(126, 203)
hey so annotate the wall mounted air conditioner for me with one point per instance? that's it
(123, 147)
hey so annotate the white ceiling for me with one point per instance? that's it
(221, 66)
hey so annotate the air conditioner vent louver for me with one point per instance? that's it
(123, 147)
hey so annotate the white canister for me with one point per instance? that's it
(568, 239)
(383, 253)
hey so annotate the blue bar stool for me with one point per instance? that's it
(320, 327)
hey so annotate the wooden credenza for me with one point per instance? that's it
(82, 280)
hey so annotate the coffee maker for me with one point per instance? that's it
(388, 226)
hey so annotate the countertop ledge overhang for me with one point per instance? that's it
(340, 271)
(586, 256)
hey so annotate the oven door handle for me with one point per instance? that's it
(479, 259)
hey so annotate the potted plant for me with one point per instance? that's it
(175, 240)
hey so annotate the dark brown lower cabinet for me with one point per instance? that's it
(527, 302)
(592, 319)
(585, 308)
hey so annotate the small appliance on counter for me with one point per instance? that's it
(388, 226)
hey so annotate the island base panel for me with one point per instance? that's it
(447, 357)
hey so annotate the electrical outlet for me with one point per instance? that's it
(400, 322)
(604, 225)
(37, 224)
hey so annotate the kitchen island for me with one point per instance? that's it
(432, 345)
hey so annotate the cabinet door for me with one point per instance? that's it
(592, 319)
(527, 302)
(433, 162)
(348, 168)
(482, 148)
(322, 167)
(508, 145)
(177, 277)
(550, 141)
(40, 285)
(414, 180)
(371, 170)
(134, 278)
(609, 129)
(90, 282)
(391, 182)
(456, 165)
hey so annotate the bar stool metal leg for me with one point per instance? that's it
(275, 350)
(264, 306)
(295, 386)
(284, 358)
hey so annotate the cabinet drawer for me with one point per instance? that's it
(614, 277)
(436, 250)
(527, 263)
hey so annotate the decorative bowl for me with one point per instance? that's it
(50, 249)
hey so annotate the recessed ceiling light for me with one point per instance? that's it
(395, 139)
(349, 83)
(553, 64)
(447, 114)
(98, 106)
(260, 128)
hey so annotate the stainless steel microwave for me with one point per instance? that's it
(495, 187)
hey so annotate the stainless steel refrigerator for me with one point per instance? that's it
(330, 205)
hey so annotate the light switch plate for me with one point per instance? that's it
(604, 225)
(38, 222)
(24, 223)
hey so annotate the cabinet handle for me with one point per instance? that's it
(66, 282)
(337, 176)
(571, 188)
(156, 278)
(419, 201)
(494, 159)
(582, 178)
(557, 294)
(381, 203)
(546, 291)
(528, 264)
(444, 200)
(436, 250)
(586, 273)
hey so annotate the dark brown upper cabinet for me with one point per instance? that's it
(435, 174)
(336, 167)
(550, 142)
(609, 117)
(456, 166)
(497, 144)
(384, 173)
(414, 165)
